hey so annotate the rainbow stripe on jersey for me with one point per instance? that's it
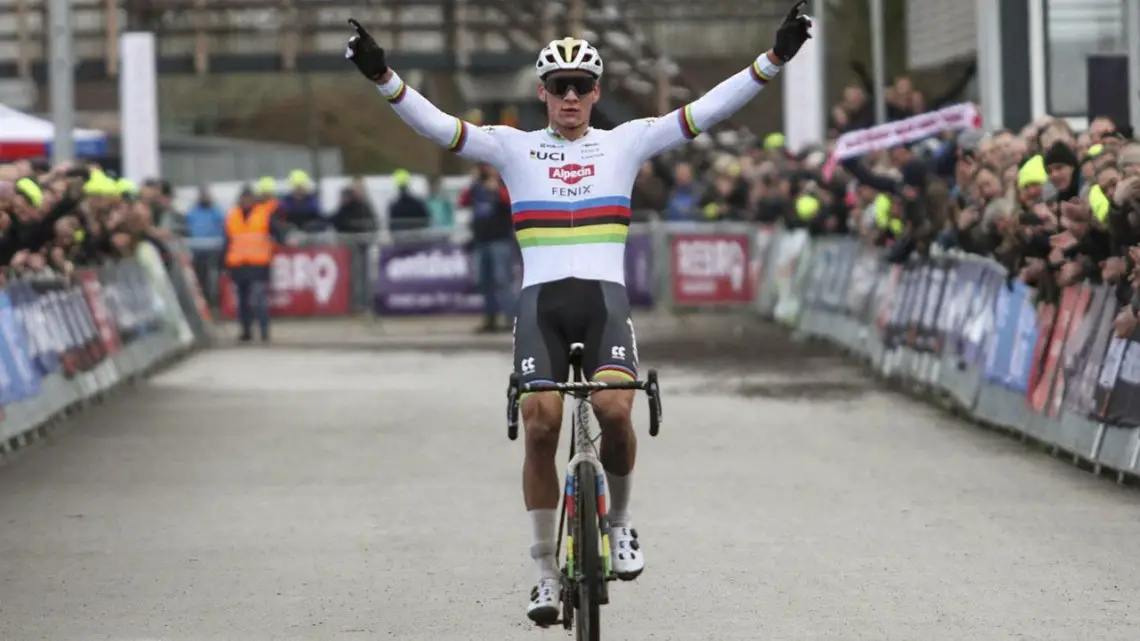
(541, 223)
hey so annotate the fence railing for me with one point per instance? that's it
(952, 325)
(64, 343)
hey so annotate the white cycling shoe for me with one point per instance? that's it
(545, 606)
(625, 553)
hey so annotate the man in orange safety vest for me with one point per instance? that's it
(252, 234)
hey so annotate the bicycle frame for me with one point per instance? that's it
(582, 450)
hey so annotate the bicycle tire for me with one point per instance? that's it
(587, 616)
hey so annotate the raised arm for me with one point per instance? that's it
(418, 112)
(429, 121)
(653, 136)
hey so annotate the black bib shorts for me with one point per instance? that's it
(553, 315)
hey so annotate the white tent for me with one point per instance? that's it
(18, 129)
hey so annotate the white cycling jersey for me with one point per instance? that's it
(570, 200)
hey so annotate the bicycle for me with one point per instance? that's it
(587, 569)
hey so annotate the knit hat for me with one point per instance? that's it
(914, 174)
(1061, 154)
(970, 139)
(1032, 173)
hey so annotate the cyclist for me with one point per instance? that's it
(570, 186)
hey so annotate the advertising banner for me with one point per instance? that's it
(126, 291)
(1025, 344)
(427, 278)
(23, 381)
(999, 358)
(1067, 334)
(639, 270)
(1046, 315)
(104, 323)
(304, 281)
(1085, 353)
(44, 341)
(901, 307)
(56, 335)
(1109, 372)
(711, 269)
(1124, 403)
(861, 286)
(917, 306)
(929, 336)
(960, 281)
(88, 347)
(884, 301)
(979, 328)
(442, 277)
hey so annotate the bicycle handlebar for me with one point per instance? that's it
(649, 386)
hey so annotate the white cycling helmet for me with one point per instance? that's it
(569, 54)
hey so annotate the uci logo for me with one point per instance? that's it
(556, 156)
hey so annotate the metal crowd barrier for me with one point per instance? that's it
(954, 326)
(958, 329)
(68, 343)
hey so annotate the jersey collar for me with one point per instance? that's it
(557, 136)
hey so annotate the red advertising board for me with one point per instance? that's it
(104, 323)
(1077, 316)
(1052, 321)
(1047, 389)
(305, 281)
(711, 269)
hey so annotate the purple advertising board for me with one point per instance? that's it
(639, 270)
(442, 278)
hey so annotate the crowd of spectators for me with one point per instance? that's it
(1053, 205)
(55, 219)
(297, 202)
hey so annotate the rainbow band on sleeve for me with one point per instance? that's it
(396, 96)
(758, 74)
(689, 127)
(460, 137)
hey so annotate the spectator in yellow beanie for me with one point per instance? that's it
(301, 206)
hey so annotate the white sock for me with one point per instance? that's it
(543, 527)
(619, 498)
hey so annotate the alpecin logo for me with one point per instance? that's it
(571, 173)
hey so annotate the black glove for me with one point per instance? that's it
(792, 34)
(365, 53)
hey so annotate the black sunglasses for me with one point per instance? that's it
(561, 85)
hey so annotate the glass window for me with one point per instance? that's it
(1075, 29)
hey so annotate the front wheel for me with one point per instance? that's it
(590, 574)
